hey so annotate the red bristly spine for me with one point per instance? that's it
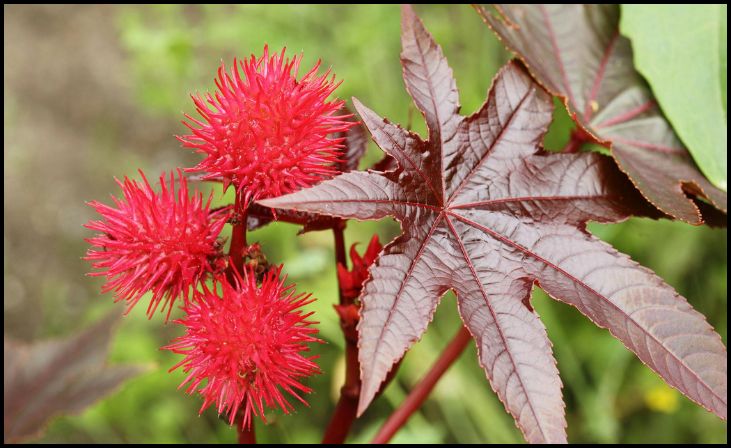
(246, 341)
(166, 242)
(266, 132)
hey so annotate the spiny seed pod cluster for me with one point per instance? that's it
(267, 133)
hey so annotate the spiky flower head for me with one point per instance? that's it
(266, 132)
(351, 282)
(165, 243)
(246, 342)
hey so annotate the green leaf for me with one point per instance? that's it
(722, 56)
(681, 51)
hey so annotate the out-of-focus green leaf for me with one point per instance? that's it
(681, 51)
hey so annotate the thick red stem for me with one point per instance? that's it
(345, 410)
(347, 407)
(578, 138)
(238, 239)
(236, 262)
(340, 255)
(418, 395)
(246, 436)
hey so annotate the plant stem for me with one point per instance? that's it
(236, 263)
(345, 410)
(418, 395)
(340, 256)
(238, 238)
(578, 138)
(246, 436)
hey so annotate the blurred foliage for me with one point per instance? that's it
(171, 51)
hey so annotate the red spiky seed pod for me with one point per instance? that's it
(266, 132)
(246, 341)
(166, 243)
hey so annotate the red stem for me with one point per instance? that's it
(578, 138)
(418, 395)
(345, 411)
(238, 238)
(340, 256)
(246, 436)
(236, 262)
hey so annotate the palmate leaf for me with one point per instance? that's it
(576, 52)
(487, 213)
(58, 376)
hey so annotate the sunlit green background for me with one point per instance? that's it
(93, 92)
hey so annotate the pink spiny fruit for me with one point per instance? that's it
(246, 342)
(264, 131)
(166, 243)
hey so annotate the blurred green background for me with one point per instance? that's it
(93, 92)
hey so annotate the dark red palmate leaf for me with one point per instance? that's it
(47, 378)
(487, 213)
(576, 52)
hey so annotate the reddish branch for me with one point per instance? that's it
(246, 436)
(419, 394)
(345, 411)
(578, 138)
(238, 238)
(340, 256)
(350, 284)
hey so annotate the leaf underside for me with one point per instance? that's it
(487, 213)
(47, 378)
(576, 52)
